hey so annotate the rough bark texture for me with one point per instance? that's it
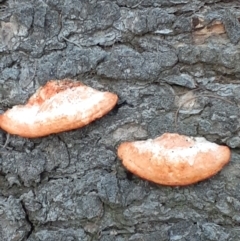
(156, 55)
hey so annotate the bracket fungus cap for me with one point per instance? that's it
(58, 106)
(173, 159)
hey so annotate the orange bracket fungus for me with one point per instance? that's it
(58, 106)
(174, 159)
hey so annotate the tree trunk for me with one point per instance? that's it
(175, 67)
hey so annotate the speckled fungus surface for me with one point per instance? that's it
(174, 159)
(58, 106)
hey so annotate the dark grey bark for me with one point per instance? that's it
(71, 186)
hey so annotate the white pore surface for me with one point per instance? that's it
(68, 104)
(177, 154)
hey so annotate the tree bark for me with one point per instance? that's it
(157, 56)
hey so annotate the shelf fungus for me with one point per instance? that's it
(173, 159)
(58, 106)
